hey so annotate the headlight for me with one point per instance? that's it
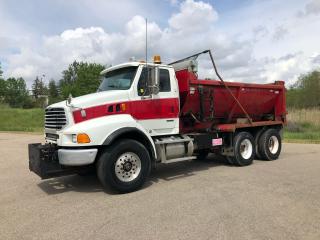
(74, 138)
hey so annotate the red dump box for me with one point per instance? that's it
(207, 104)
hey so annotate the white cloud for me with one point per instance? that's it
(260, 32)
(244, 50)
(279, 33)
(311, 8)
(94, 44)
(174, 2)
(193, 17)
(315, 58)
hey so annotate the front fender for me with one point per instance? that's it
(134, 133)
(101, 129)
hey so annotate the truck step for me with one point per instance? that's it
(179, 159)
(169, 141)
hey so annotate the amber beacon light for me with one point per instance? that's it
(157, 59)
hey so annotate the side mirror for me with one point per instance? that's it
(155, 78)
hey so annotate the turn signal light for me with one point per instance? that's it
(83, 138)
(123, 107)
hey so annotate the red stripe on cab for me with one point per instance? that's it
(140, 109)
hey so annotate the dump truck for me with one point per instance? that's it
(145, 114)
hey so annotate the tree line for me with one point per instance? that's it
(78, 79)
(81, 78)
(305, 93)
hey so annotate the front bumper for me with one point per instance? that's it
(78, 157)
(48, 161)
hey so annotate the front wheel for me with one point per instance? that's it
(124, 166)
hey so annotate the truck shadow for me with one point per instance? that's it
(164, 172)
(172, 171)
(71, 183)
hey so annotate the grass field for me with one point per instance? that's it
(26, 120)
(303, 124)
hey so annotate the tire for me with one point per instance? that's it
(256, 141)
(270, 144)
(124, 166)
(244, 149)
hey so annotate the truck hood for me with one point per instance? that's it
(95, 99)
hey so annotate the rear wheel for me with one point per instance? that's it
(124, 166)
(257, 136)
(270, 144)
(243, 148)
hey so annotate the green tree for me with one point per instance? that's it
(39, 92)
(2, 86)
(38, 88)
(67, 83)
(88, 79)
(3, 89)
(1, 72)
(16, 92)
(80, 78)
(305, 93)
(53, 92)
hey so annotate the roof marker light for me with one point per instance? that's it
(157, 59)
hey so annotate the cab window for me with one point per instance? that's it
(143, 89)
(164, 81)
(119, 79)
(164, 84)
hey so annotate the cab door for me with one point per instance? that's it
(159, 113)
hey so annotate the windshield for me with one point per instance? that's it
(119, 79)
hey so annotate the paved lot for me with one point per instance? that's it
(189, 200)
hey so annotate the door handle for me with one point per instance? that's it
(146, 97)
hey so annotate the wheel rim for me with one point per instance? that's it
(127, 167)
(246, 149)
(273, 144)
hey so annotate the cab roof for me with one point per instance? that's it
(131, 64)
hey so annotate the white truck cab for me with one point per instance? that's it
(123, 99)
(137, 104)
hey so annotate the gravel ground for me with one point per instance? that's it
(188, 200)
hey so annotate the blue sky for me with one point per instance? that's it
(253, 40)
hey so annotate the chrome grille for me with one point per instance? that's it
(55, 118)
